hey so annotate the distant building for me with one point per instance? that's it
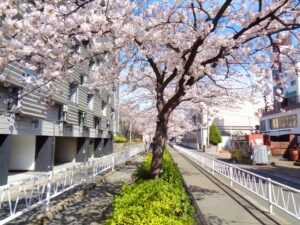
(76, 126)
(230, 121)
(281, 119)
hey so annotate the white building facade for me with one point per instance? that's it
(234, 121)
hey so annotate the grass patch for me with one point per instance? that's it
(156, 202)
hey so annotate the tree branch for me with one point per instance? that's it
(220, 13)
(194, 15)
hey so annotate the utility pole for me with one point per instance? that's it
(207, 125)
(201, 129)
(129, 130)
(196, 122)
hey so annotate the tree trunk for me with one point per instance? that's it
(159, 145)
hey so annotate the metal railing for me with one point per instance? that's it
(286, 103)
(276, 194)
(19, 197)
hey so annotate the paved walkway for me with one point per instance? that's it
(217, 203)
(95, 207)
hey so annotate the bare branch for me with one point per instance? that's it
(194, 15)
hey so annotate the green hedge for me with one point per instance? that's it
(120, 139)
(136, 140)
(156, 202)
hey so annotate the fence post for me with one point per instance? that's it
(231, 176)
(86, 170)
(213, 167)
(94, 168)
(48, 190)
(270, 195)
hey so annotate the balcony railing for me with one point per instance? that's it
(287, 103)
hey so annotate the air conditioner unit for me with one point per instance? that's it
(84, 123)
(65, 117)
(83, 120)
(65, 108)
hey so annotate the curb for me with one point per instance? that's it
(199, 218)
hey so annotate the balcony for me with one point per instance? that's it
(288, 103)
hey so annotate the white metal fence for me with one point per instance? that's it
(276, 194)
(19, 197)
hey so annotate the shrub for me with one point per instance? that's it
(214, 135)
(136, 140)
(120, 139)
(160, 201)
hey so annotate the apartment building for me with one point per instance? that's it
(76, 126)
(280, 120)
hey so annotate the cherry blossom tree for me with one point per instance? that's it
(167, 47)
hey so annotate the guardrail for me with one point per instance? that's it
(19, 197)
(276, 194)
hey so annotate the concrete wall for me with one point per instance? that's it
(65, 150)
(226, 142)
(91, 148)
(189, 144)
(190, 140)
(22, 153)
(5, 143)
(44, 155)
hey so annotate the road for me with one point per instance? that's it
(279, 177)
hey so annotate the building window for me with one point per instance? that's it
(29, 74)
(104, 108)
(73, 92)
(97, 93)
(63, 113)
(284, 122)
(81, 119)
(13, 99)
(83, 79)
(293, 82)
(262, 125)
(90, 101)
(97, 122)
(112, 116)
